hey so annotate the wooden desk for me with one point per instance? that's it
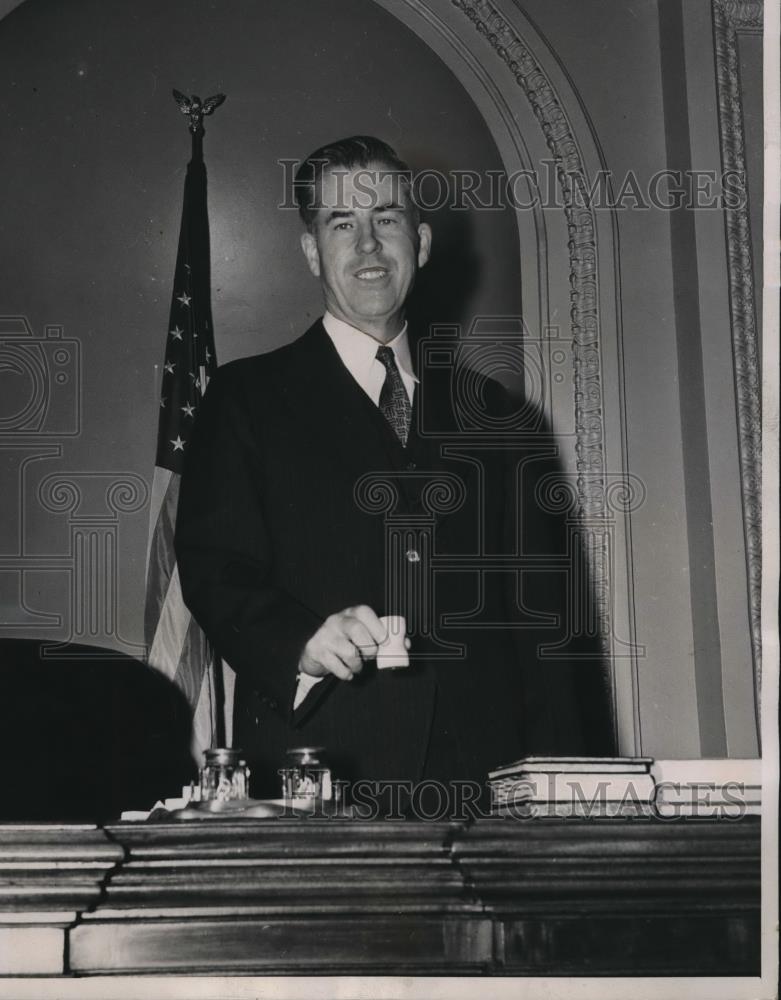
(327, 896)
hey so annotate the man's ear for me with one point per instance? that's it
(424, 243)
(309, 246)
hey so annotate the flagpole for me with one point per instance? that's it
(176, 645)
(196, 110)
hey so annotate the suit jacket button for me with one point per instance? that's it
(411, 466)
(413, 555)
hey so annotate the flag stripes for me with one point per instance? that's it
(175, 644)
(160, 561)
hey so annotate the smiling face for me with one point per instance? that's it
(365, 247)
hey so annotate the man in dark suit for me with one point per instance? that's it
(334, 481)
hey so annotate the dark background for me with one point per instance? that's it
(94, 155)
(93, 160)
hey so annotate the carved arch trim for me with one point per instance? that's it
(730, 17)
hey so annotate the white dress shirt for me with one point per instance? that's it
(358, 352)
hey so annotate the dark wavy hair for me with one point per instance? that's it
(357, 151)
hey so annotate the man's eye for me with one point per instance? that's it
(343, 225)
(387, 219)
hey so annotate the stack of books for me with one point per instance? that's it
(725, 789)
(573, 786)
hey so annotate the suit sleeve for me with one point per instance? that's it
(224, 554)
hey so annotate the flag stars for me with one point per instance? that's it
(188, 409)
(184, 298)
(178, 443)
(169, 367)
(176, 333)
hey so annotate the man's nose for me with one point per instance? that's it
(367, 237)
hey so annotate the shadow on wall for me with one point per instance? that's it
(552, 608)
(88, 736)
(447, 284)
(568, 707)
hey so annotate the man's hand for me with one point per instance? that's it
(342, 643)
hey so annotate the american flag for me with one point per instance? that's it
(175, 644)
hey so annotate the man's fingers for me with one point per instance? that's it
(347, 653)
(343, 642)
(335, 666)
(361, 637)
(370, 621)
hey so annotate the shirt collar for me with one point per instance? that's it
(358, 350)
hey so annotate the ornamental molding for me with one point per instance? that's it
(729, 18)
(744, 15)
(582, 247)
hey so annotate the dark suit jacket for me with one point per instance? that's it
(278, 527)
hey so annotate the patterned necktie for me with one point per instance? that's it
(394, 401)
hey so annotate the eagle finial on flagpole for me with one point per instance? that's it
(196, 109)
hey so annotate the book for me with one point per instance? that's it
(581, 765)
(574, 786)
(563, 787)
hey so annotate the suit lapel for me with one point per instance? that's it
(322, 394)
(335, 413)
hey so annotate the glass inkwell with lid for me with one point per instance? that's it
(306, 781)
(224, 776)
